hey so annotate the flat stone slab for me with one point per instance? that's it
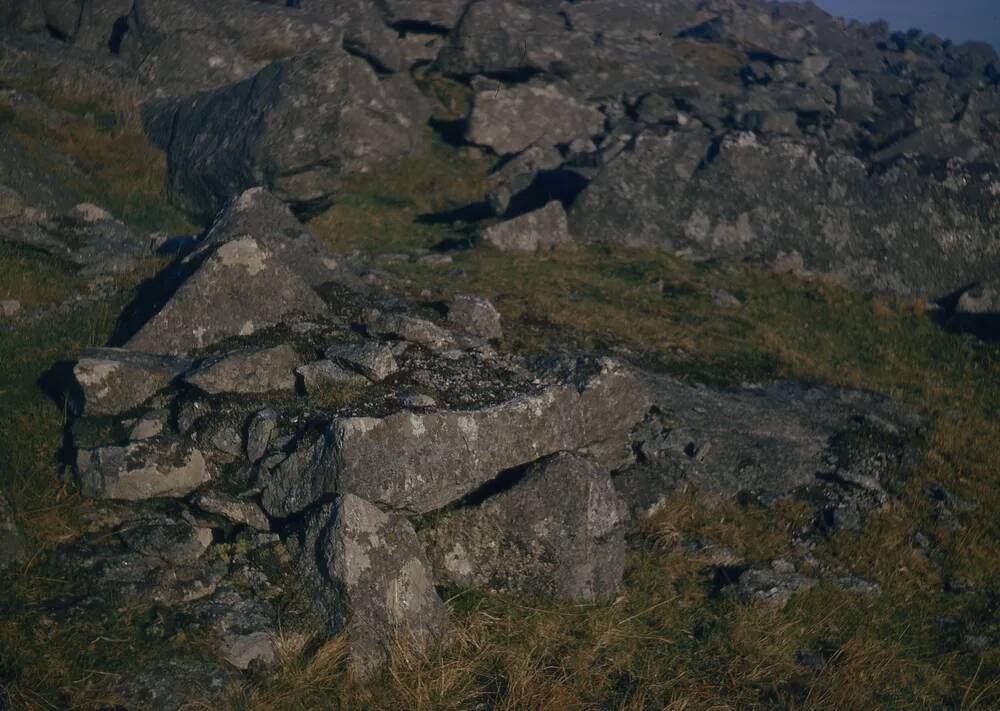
(141, 470)
(249, 371)
(114, 380)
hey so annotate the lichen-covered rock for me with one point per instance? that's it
(419, 462)
(247, 371)
(239, 289)
(511, 120)
(372, 359)
(372, 577)
(475, 315)
(299, 127)
(174, 685)
(909, 226)
(542, 229)
(557, 533)
(233, 508)
(245, 629)
(409, 328)
(114, 380)
(325, 374)
(142, 470)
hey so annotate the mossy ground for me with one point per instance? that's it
(667, 642)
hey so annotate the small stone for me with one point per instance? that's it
(323, 374)
(249, 371)
(233, 509)
(721, 297)
(88, 213)
(149, 425)
(260, 432)
(477, 316)
(417, 401)
(372, 359)
(542, 229)
(9, 308)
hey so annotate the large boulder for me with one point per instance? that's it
(419, 462)
(142, 470)
(909, 226)
(558, 533)
(238, 289)
(373, 580)
(298, 127)
(114, 380)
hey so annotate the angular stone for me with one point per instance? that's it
(176, 542)
(114, 380)
(233, 508)
(239, 289)
(542, 229)
(558, 533)
(475, 315)
(259, 433)
(247, 371)
(420, 462)
(324, 374)
(373, 580)
(372, 359)
(245, 628)
(409, 328)
(510, 120)
(141, 470)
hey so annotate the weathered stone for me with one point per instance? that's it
(176, 542)
(141, 470)
(511, 120)
(173, 686)
(542, 229)
(409, 328)
(247, 371)
(233, 508)
(557, 533)
(422, 461)
(148, 425)
(373, 580)
(773, 586)
(299, 127)
(372, 359)
(980, 299)
(259, 433)
(325, 374)
(114, 380)
(245, 629)
(10, 308)
(475, 315)
(239, 289)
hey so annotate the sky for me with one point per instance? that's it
(958, 20)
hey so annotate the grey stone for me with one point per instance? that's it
(325, 374)
(420, 462)
(148, 425)
(232, 508)
(409, 328)
(542, 229)
(372, 359)
(176, 542)
(979, 300)
(10, 308)
(770, 586)
(373, 579)
(299, 127)
(417, 401)
(475, 315)
(260, 432)
(514, 118)
(142, 470)
(239, 289)
(174, 685)
(115, 380)
(247, 371)
(558, 533)
(245, 628)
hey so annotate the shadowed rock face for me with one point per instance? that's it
(298, 127)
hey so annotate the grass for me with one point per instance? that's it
(667, 642)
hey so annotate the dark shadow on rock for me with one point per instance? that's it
(723, 577)
(475, 212)
(150, 297)
(548, 185)
(60, 386)
(454, 244)
(451, 132)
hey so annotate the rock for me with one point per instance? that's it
(258, 213)
(475, 315)
(97, 24)
(10, 308)
(372, 578)
(510, 120)
(409, 328)
(246, 629)
(980, 299)
(855, 100)
(419, 462)
(558, 533)
(89, 213)
(247, 371)
(141, 470)
(115, 380)
(239, 289)
(721, 297)
(443, 14)
(12, 548)
(259, 433)
(772, 587)
(417, 401)
(542, 229)
(176, 542)
(149, 425)
(325, 374)
(232, 508)
(372, 359)
(174, 685)
(875, 227)
(301, 126)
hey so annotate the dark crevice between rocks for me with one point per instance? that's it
(548, 185)
(57, 34)
(451, 132)
(474, 212)
(360, 53)
(418, 27)
(118, 32)
(723, 577)
(60, 385)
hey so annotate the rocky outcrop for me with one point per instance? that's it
(541, 229)
(113, 380)
(298, 127)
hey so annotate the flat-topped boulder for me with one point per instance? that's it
(157, 467)
(114, 380)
